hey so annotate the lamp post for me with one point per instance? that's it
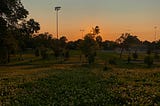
(57, 9)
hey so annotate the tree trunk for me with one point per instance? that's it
(8, 56)
(121, 52)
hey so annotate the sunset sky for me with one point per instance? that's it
(114, 17)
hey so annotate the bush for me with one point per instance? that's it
(156, 55)
(105, 68)
(37, 52)
(44, 54)
(112, 61)
(135, 55)
(148, 60)
(66, 54)
(129, 59)
(149, 51)
(3, 56)
(91, 58)
(57, 52)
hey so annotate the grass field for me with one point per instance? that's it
(37, 82)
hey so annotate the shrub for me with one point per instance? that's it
(44, 54)
(149, 51)
(3, 56)
(37, 52)
(156, 55)
(129, 59)
(57, 52)
(91, 58)
(66, 55)
(135, 55)
(105, 68)
(148, 60)
(112, 61)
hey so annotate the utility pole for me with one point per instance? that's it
(155, 40)
(155, 33)
(57, 9)
(82, 30)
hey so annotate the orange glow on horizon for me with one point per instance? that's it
(114, 17)
(110, 34)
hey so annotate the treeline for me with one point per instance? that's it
(17, 34)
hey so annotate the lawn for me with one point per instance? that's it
(35, 82)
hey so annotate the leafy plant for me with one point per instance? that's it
(112, 61)
(129, 59)
(88, 47)
(156, 55)
(37, 52)
(44, 53)
(135, 55)
(148, 60)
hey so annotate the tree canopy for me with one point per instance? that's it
(12, 11)
(127, 41)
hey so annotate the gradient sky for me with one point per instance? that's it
(114, 17)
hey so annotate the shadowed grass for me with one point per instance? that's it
(37, 82)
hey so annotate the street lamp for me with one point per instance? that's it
(57, 9)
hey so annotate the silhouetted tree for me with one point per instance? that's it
(43, 39)
(28, 28)
(148, 60)
(42, 43)
(24, 35)
(56, 48)
(121, 43)
(109, 45)
(99, 41)
(11, 12)
(96, 30)
(8, 46)
(71, 45)
(63, 46)
(135, 55)
(88, 47)
(127, 41)
(63, 42)
(78, 43)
